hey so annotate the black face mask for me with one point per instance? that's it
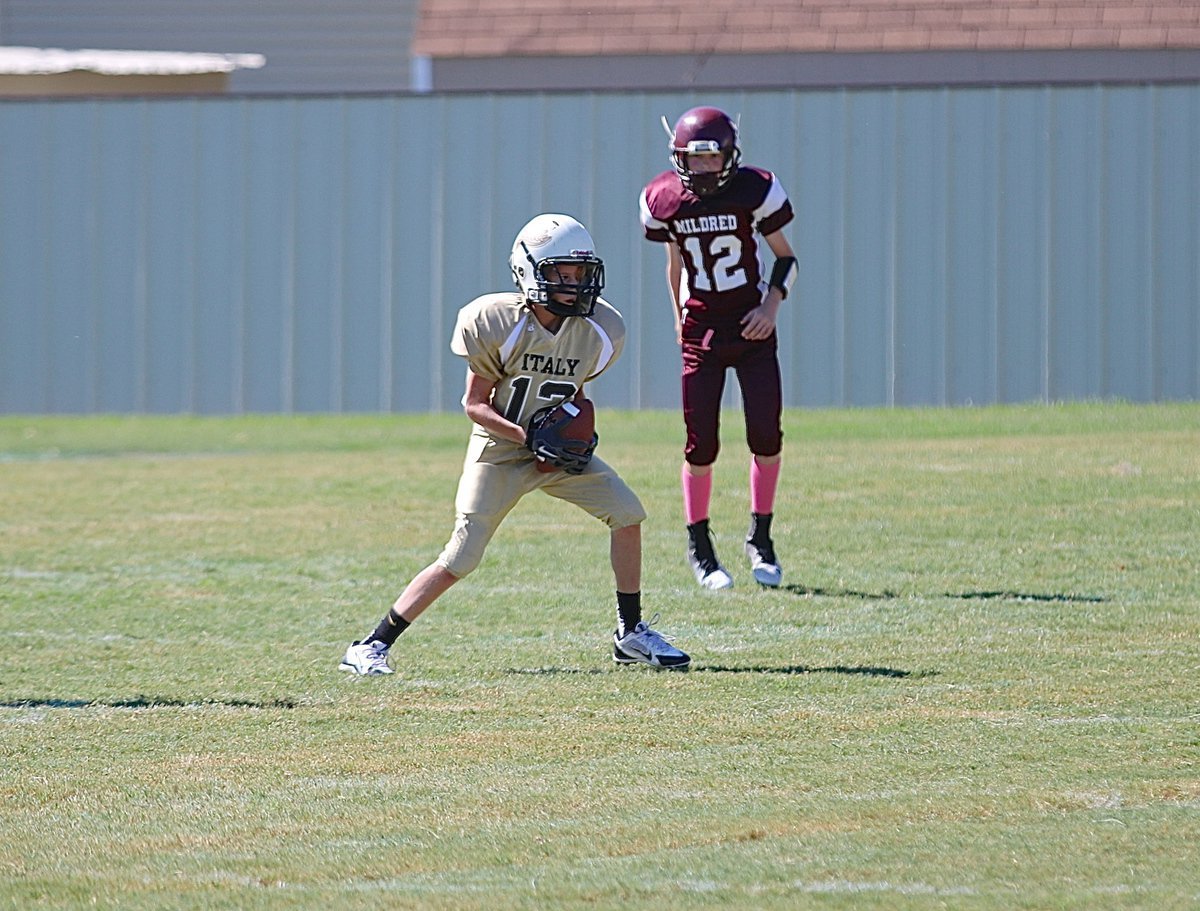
(581, 297)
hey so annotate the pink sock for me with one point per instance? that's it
(697, 492)
(763, 481)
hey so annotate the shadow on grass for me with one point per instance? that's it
(1025, 596)
(798, 669)
(784, 669)
(805, 591)
(148, 702)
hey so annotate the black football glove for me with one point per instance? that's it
(547, 440)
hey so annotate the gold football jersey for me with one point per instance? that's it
(532, 367)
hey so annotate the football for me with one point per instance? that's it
(580, 426)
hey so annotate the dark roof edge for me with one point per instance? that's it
(812, 70)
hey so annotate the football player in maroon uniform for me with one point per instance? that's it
(713, 214)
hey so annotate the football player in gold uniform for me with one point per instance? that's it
(527, 350)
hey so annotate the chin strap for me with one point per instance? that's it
(784, 273)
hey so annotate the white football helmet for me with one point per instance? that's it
(541, 246)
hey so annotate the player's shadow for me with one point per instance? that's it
(1008, 595)
(805, 669)
(148, 702)
(791, 670)
(805, 591)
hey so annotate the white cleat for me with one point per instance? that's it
(367, 659)
(763, 564)
(760, 549)
(712, 576)
(702, 558)
(643, 645)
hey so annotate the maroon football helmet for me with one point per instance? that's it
(704, 130)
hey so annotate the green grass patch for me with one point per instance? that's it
(977, 688)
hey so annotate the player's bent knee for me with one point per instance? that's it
(618, 524)
(624, 510)
(629, 516)
(459, 565)
(454, 571)
(464, 551)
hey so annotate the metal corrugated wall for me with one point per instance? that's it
(308, 254)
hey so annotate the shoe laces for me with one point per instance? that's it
(652, 634)
(378, 652)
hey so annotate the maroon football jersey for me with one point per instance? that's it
(723, 269)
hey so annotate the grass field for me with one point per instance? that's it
(979, 687)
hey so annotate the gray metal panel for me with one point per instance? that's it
(1022, 260)
(816, 303)
(68, 263)
(261, 131)
(420, 330)
(309, 254)
(1175, 257)
(310, 46)
(972, 203)
(317, 300)
(366, 257)
(868, 305)
(24, 310)
(919, 249)
(1126, 244)
(220, 237)
(1074, 287)
(118, 296)
(168, 351)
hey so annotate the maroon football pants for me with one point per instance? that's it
(707, 355)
